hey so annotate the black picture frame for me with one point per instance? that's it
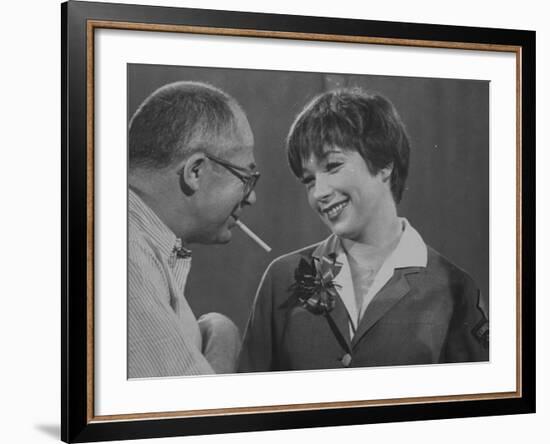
(78, 423)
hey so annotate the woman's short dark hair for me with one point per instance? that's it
(352, 119)
(172, 118)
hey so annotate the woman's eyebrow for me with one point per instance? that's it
(305, 171)
(329, 152)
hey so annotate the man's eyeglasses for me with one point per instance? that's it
(247, 178)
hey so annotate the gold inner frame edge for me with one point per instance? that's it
(121, 25)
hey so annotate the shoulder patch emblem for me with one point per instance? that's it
(481, 332)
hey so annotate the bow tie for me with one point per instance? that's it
(179, 252)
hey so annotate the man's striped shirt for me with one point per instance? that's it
(163, 334)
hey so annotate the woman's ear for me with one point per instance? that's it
(190, 172)
(385, 173)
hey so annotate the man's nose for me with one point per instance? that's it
(251, 198)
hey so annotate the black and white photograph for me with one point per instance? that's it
(282, 220)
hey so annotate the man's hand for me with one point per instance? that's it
(221, 342)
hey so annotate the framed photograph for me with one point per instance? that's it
(276, 221)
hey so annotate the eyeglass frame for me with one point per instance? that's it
(250, 180)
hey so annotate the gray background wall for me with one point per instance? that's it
(446, 197)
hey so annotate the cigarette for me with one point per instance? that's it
(253, 236)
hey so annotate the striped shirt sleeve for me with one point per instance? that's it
(157, 343)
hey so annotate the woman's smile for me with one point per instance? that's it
(333, 211)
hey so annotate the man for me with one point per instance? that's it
(191, 173)
(373, 293)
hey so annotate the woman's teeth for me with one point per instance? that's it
(335, 210)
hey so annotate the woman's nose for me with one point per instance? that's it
(322, 188)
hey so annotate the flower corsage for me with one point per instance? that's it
(314, 287)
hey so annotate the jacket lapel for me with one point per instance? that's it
(338, 317)
(338, 322)
(396, 288)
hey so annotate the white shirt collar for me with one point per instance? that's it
(411, 251)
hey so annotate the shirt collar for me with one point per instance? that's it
(140, 214)
(411, 251)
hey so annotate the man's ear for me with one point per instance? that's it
(191, 171)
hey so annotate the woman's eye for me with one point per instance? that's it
(332, 166)
(307, 181)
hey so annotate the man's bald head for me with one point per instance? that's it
(177, 119)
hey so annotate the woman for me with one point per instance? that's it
(373, 293)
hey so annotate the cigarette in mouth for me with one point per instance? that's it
(253, 236)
